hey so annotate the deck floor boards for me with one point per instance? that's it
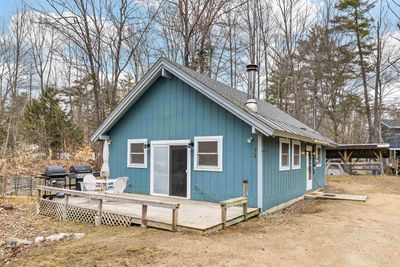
(194, 215)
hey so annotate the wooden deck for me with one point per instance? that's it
(199, 216)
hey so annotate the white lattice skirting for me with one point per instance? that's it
(73, 213)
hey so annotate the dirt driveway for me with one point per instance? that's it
(309, 233)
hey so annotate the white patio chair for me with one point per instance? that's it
(89, 183)
(117, 185)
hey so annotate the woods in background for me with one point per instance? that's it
(65, 64)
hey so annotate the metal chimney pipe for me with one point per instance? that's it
(251, 102)
(252, 70)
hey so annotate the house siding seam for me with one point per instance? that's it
(172, 110)
(281, 186)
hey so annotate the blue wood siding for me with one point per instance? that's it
(391, 136)
(172, 110)
(281, 186)
(319, 172)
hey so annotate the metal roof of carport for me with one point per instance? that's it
(358, 151)
(269, 120)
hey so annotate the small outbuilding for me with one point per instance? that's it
(181, 134)
(390, 131)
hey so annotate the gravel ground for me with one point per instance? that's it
(308, 233)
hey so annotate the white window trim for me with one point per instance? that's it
(296, 167)
(218, 168)
(320, 155)
(281, 141)
(136, 165)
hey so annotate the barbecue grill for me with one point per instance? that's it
(77, 172)
(57, 177)
(54, 176)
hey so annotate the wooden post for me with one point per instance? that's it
(245, 194)
(66, 198)
(97, 218)
(174, 219)
(39, 196)
(245, 188)
(381, 161)
(223, 215)
(144, 216)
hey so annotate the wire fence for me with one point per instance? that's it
(19, 185)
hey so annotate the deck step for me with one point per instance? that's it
(322, 195)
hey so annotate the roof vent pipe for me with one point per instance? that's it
(251, 102)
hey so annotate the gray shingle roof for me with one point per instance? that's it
(269, 114)
(269, 119)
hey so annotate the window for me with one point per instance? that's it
(284, 154)
(137, 153)
(318, 156)
(296, 155)
(208, 153)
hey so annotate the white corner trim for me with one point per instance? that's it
(296, 142)
(285, 141)
(136, 165)
(198, 167)
(260, 172)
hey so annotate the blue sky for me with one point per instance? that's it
(6, 6)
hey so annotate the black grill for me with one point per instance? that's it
(77, 172)
(54, 172)
(56, 176)
(80, 169)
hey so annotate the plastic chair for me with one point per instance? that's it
(117, 185)
(89, 183)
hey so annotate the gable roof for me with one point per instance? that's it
(391, 123)
(269, 120)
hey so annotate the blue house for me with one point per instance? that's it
(181, 134)
(390, 130)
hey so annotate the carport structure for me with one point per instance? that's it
(350, 154)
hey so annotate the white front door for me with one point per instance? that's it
(170, 168)
(309, 168)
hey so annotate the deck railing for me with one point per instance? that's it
(234, 202)
(100, 197)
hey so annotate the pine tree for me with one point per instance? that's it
(47, 125)
(354, 20)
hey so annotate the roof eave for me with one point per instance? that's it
(279, 133)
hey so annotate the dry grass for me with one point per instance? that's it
(310, 232)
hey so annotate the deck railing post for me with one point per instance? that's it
(65, 212)
(245, 187)
(245, 194)
(97, 218)
(174, 219)
(144, 216)
(39, 196)
(223, 215)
